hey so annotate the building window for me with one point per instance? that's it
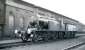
(0, 10)
(41, 14)
(11, 20)
(21, 22)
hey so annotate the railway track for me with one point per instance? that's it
(75, 46)
(15, 44)
(8, 45)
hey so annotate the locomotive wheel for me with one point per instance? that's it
(45, 38)
(55, 37)
(24, 38)
(73, 35)
(66, 35)
(35, 38)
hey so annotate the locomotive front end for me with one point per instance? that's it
(25, 35)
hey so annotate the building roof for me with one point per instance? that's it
(32, 5)
(26, 3)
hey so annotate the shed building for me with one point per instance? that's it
(16, 14)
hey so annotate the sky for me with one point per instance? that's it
(74, 9)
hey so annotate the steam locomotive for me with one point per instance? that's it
(47, 29)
